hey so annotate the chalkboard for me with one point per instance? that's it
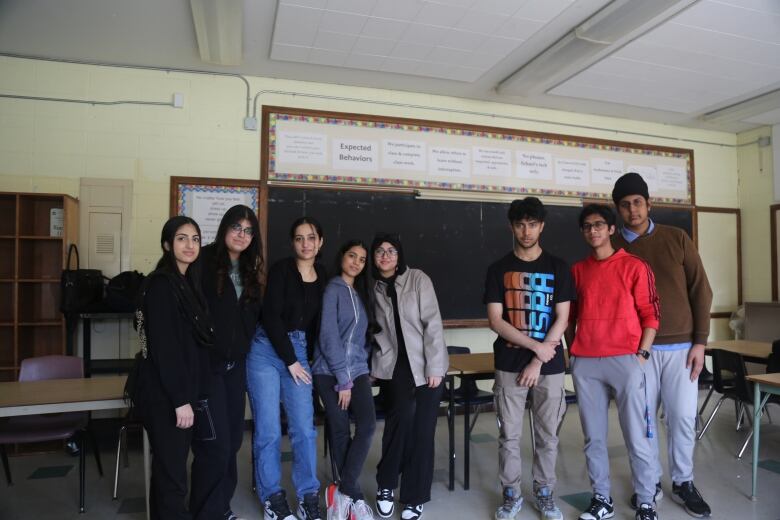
(453, 242)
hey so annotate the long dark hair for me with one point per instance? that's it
(363, 285)
(167, 261)
(313, 222)
(250, 261)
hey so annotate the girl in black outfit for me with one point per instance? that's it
(178, 337)
(231, 269)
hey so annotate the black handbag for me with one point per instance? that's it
(81, 288)
(122, 291)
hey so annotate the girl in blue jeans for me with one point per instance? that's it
(277, 369)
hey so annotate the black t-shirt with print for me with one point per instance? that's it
(528, 292)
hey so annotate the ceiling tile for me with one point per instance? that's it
(501, 7)
(327, 57)
(375, 46)
(283, 52)
(351, 6)
(320, 4)
(364, 61)
(768, 118)
(296, 25)
(397, 9)
(424, 34)
(454, 3)
(335, 41)
(766, 6)
(498, 45)
(439, 14)
(400, 66)
(459, 73)
(463, 40)
(479, 60)
(730, 19)
(435, 70)
(446, 55)
(618, 94)
(342, 22)
(384, 28)
(543, 10)
(519, 28)
(413, 51)
(481, 22)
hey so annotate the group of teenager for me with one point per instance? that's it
(211, 334)
(635, 315)
(214, 329)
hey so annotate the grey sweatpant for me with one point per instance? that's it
(548, 406)
(671, 384)
(595, 380)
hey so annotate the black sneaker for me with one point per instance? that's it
(309, 507)
(659, 494)
(384, 502)
(600, 507)
(276, 508)
(687, 495)
(646, 512)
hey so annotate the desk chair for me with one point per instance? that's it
(477, 398)
(50, 427)
(773, 366)
(728, 372)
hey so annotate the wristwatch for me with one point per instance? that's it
(644, 353)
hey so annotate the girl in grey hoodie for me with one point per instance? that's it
(341, 376)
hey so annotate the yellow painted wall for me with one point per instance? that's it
(48, 146)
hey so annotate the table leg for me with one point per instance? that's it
(756, 433)
(147, 466)
(451, 430)
(466, 434)
(86, 332)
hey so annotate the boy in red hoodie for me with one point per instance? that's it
(616, 316)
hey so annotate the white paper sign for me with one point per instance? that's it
(449, 162)
(534, 165)
(351, 154)
(672, 178)
(300, 148)
(605, 171)
(208, 209)
(495, 162)
(403, 155)
(572, 172)
(649, 174)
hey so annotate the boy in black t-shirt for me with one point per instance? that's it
(527, 293)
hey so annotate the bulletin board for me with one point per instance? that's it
(333, 148)
(207, 199)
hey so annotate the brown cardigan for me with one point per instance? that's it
(686, 296)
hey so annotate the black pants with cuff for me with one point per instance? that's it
(408, 439)
(348, 453)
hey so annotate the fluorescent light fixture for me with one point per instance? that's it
(745, 109)
(600, 35)
(486, 196)
(219, 28)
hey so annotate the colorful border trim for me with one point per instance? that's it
(406, 183)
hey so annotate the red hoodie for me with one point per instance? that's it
(616, 299)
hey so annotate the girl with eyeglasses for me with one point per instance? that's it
(232, 267)
(278, 370)
(176, 339)
(341, 377)
(410, 364)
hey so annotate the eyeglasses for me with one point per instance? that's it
(237, 229)
(379, 252)
(598, 226)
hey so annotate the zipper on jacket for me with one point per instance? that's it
(351, 332)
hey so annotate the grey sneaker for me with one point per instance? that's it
(361, 510)
(545, 504)
(512, 505)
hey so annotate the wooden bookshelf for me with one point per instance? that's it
(31, 262)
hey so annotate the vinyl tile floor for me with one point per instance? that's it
(46, 486)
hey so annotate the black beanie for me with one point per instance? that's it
(629, 184)
(395, 240)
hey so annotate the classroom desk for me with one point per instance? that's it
(768, 384)
(753, 351)
(467, 367)
(106, 366)
(67, 395)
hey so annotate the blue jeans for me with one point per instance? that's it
(268, 382)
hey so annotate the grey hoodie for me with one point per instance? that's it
(342, 350)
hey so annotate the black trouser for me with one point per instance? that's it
(170, 448)
(348, 454)
(408, 439)
(214, 473)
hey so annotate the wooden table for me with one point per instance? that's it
(753, 351)
(466, 367)
(768, 384)
(67, 395)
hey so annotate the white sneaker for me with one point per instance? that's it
(361, 511)
(384, 502)
(411, 512)
(338, 504)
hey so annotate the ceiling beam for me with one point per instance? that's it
(219, 29)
